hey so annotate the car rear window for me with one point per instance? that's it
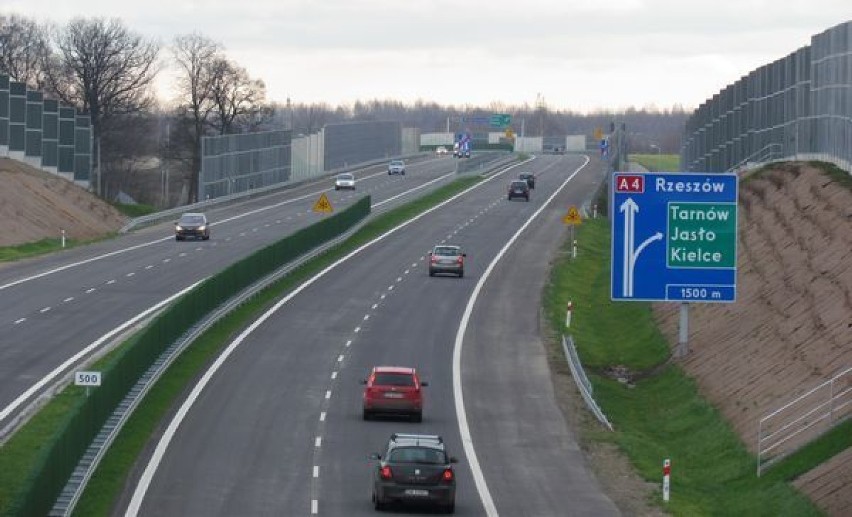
(394, 379)
(192, 219)
(446, 252)
(418, 455)
(345, 177)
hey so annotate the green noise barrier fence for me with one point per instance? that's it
(72, 439)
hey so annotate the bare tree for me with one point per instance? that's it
(239, 100)
(196, 57)
(104, 69)
(24, 49)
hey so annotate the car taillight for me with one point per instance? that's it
(460, 260)
(447, 475)
(434, 259)
(385, 473)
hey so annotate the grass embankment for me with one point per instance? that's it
(45, 246)
(21, 454)
(657, 162)
(663, 415)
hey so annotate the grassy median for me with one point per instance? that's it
(663, 415)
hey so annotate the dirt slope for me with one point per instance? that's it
(791, 326)
(36, 205)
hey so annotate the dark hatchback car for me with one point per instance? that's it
(416, 469)
(519, 188)
(193, 225)
(529, 177)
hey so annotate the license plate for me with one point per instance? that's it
(448, 261)
(419, 493)
(393, 395)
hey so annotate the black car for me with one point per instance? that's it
(529, 177)
(519, 188)
(192, 224)
(416, 468)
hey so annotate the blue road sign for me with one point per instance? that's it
(674, 237)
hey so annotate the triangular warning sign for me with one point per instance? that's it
(323, 204)
(572, 217)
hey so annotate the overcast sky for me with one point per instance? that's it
(580, 55)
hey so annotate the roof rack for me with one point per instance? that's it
(417, 437)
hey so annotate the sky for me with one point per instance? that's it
(578, 55)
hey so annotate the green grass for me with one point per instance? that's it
(134, 210)
(42, 247)
(663, 416)
(20, 455)
(658, 162)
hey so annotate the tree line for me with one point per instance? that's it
(107, 70)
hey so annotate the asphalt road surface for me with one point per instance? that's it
(275, 427)
(57, 311)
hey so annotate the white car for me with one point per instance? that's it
(344, 181)
(396, 167)
(441, 150)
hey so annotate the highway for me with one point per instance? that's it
(58, 311)
(275, 427)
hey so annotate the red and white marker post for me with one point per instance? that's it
(667, 470)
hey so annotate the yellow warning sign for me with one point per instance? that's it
(323, 204)
(572, 217)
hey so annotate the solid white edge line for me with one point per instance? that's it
(82, 353)
(458, 395)
(166, 439)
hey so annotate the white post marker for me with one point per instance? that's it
(87, 379)
(568, 312)
(667, 470)
(63, 238)
(574, 247)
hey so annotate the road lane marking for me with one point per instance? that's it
(69, 299)
(458, 394)
(82, 353)
(44, 310)
(349, 342)
(322, 416)
(318, 441)
(334, 375)
(327, 394)
(20, 320)
(91, 290)
(110, 282)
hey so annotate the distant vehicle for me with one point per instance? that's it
(344, 181)
(416, 468)
(393, 390)
(441, 150)
(519, 188)
(456, 150)
(396, 167)
(446, 259)
(529, 177)
(192, 224)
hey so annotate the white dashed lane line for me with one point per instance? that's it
(90, 290)
(44, 310)
(166, 260)
(374, 306)
(69, 299)
(366, 317)
(348, 343)
(130, 274)
(322, 416)
(333, 375)
(149, 267)
(316, 471)
(328, 394)
(20, 320)
(110, 282)
(339, 360)
(318, 441)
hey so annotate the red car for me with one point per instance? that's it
(393, 390)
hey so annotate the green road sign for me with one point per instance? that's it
(702, 235)
(500, 119)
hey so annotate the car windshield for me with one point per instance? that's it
(422, 455)
(394, 379)
(519, 184)
(191, 219)
(446, 252)
(346, 177)
(396, 162)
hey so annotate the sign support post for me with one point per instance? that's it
(683, 331)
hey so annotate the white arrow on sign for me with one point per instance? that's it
(629, 255)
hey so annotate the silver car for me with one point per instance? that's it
(396, 167)
(446, 259)
(344, 181)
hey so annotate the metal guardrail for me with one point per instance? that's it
(800, 421)
(770, 152)
(582, 381)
